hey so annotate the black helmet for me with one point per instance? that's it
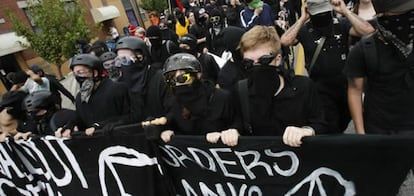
(38, 100)
(132, 43)
(190, 40)
(107, 56)
(88, 60)
(182, 61)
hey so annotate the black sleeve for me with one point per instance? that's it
(316, 117)
(355, 65)
(62, 89)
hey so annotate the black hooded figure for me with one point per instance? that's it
(160, 49)
(216, 24)
(199, 29)
(232, 71)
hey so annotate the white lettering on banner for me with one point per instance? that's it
(7, 163)
(220, 189)
(314, 178)
(110, 156)
(295, 162)
(195, 151)
(29, 147)
(29, 150)
(222, 163)
(176, 157)
(12, 185)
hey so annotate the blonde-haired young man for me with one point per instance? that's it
(274, 103)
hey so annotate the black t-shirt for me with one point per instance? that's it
(389, 91)
(332, 57)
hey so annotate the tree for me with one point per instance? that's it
(154, 5)
(60, 23)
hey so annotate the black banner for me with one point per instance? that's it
(127, 164)
(101, 165)
(324, 165)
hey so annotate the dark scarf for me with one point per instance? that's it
(398, 30)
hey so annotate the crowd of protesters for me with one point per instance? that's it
(167, 77)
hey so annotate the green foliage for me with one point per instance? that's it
(154, 5)
(60, 24)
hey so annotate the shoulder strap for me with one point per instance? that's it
(168, 45)
(244, 102)
(321, 41)
(370, 52)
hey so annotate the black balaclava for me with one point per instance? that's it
(323, 23)
(154, 35)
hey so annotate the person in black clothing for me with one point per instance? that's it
(55, 86)
(232, 71)
(197, 108)
(160, 49)
(216, 24)
(112, 70)
(271, 102)
(325, 65)
(146, 85)
(209, 67)
(199, 28)
(100, 101)
(380, 71)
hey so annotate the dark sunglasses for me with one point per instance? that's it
(264, 60)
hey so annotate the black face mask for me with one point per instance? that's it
(80, 79)
(262, 77)
(192, 97)
(322, 20)
(402, 26)
(323, 23)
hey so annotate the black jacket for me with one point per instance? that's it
(219, 115)
(108, 103)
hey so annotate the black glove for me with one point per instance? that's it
(152, 132)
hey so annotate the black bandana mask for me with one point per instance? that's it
(114, 73)
(402, 26)
(86, 87)
(398, 30)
